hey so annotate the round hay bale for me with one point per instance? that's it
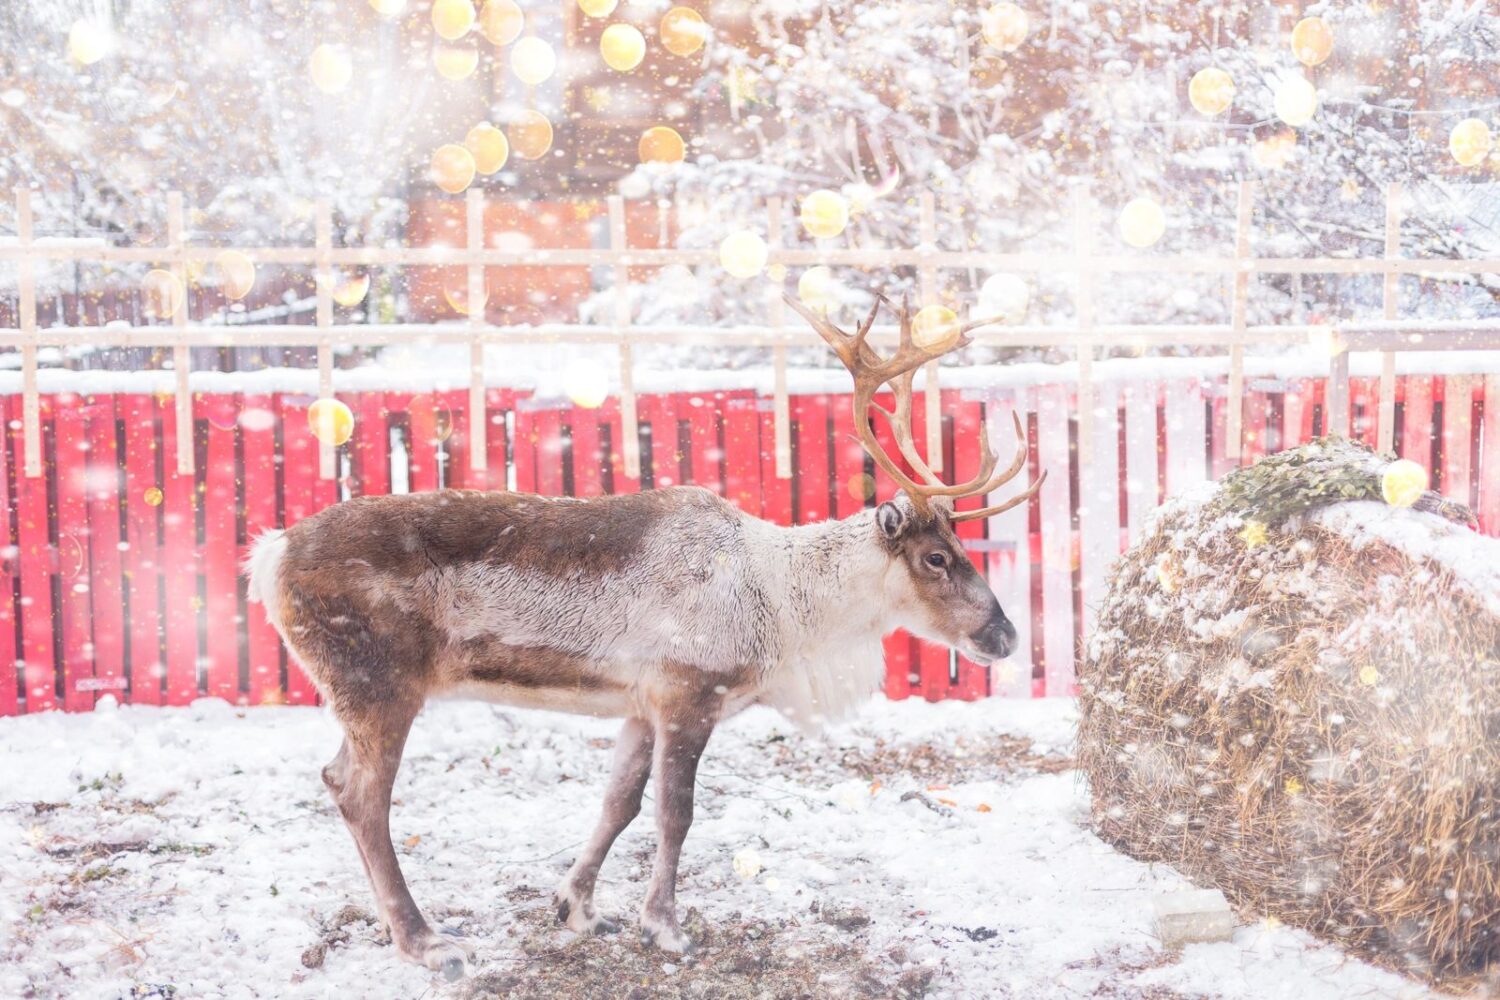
(1296, 698)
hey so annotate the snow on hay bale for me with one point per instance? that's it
(1293, 694)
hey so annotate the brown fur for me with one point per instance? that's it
(368, 594)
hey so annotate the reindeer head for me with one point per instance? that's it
(933, 588)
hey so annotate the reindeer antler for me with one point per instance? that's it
(871, 371)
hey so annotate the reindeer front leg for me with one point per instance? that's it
(681, 736)
(622, 803)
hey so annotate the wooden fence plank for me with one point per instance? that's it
(143, 458)
(1489, 459)
(1185, 440)
(220, 551)
(547, 427)
(971, 680)
(34, 551)
(1009, 559)
(1142, 459)
(299, 471)
(258, 431)
(106, 590)
(586, 452)
(776, 499)
(1099, 503)
(742, 453)
(1458, 436)
(1054, 454)
(423, 443)
(74, 618)
(707, 461)
(1416, 423)
(810, 417)
(666, 456)
(10, 671)
(615, 426)
(180, 565)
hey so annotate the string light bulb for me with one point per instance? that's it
(935, 328)
(530, 135)
(452, 168)
(331, 421)
(1312, 41)
(683, 31)
(743, 254)
(501, 21)
(1470, 142)
(1211, 91)
(622, 46)
(452, 19)
(532, 60)
(824, 214)
(488, 146)
(1142, 222)
(1004, 26)
(1296, 100)
(661, 144)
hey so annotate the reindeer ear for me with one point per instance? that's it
(891, 519)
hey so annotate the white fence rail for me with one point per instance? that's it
(1084, 335)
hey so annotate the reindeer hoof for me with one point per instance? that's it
(583, 919)
(446, 953)
(668, 938)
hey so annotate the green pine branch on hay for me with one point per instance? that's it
(1325, 471)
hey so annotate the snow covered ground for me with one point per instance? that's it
(192, 852)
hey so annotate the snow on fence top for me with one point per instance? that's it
(1330, 343)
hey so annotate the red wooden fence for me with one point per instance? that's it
(121, 576)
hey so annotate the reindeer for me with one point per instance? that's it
(670, 608)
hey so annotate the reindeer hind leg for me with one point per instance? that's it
(361, 778)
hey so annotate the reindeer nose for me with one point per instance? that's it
(998, 636)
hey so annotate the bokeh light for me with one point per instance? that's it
(452, 19)
(530, 135)
(455, 62)
(818, 290)
(455, 283)
(153, 496)
(488, 146)
(90, 40)
(598, 8)
(501, 21)
(1211, 91)
(331, 68)
(162, 293)
(1312, 41)
(587, 383)
(935, 328)
(683, 31)
(331, 421)
(236, 274)
(1296, 100)
(661, 144)
(1470, 142)
(1403, 482)
(1274, 152)
(452, 168)
(1004, 296)
(1142, 222)
(1005, 26)
(532, 60)
(351, 291)
(743, 254)
(388, 8)
(824, 214)
(622, 46)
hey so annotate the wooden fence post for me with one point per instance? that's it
(323, 285)
(182, 357)
(1390, 301)
(478, 304)
(1083, 303)
(781, 418)
(619, 245)
(1235, 425)
(1336, 394)
(31, 400)
(932, 391)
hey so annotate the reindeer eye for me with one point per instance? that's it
(937, 560)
